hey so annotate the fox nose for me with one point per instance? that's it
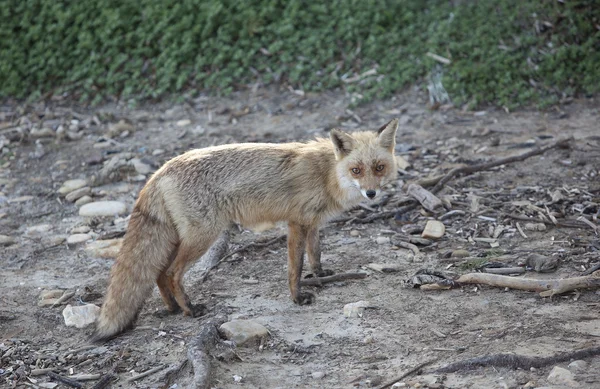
(371, 193)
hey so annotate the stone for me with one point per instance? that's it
(460, 253)
(119, 128)
(37, 133)
(141, 167)
(77, 194)
(317, 375)
(356, 309)
(562, 376)
(103, 208)
(401, 163)
(80, 316)
(578, 366)
(6, 240)
(38, 229)
(541, 263)
(243, 332)
(78, 238)
(383, 268)
(383, 240)
(354, 233)
(71, 185)
(81, 230)
(108, 248)
(157, 152)
(83, 201)
(535, 227)
(183, 123)
(433, 230)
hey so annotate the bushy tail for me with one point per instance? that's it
(147, 247)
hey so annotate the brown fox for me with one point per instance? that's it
(192, 198)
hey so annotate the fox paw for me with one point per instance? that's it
(304, 298)
(196, 310)
(321, 273)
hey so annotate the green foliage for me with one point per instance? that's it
(503, 52)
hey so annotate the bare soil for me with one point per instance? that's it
(408, 326)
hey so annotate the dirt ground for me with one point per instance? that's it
(309, 346)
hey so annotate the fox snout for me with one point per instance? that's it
(370, 193)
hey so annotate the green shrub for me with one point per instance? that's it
(502, 52)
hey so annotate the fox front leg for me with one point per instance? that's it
(313, 249)
(297, 235)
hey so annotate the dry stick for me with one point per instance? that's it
(546, 287)
(64, 380)
(145, 374)
(565, 223)
(104, 382)
(198, 352)
(502, 161)
(317, 281)
(427, 199)
(410, 372)
(517, 361)
(243, 248)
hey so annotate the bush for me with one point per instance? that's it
(502, 52)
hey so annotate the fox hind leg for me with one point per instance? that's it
(163, 285)
(296, 246)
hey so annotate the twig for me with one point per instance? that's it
(104, 382)
(564, 223)
(427, 199)
(317, 281)
(517, 361)
(502, 161)
(521, 230)
(63, 298)
(145, 374)
(243, 248)
(408, 373)
(198, 352)
(504, 270)
(64, 380)
(85, 377)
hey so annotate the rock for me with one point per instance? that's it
(107, 249)
(141, 167)
(356, 309)
(579, 366)
(80, 316)
(535, 227)
(541, 263)
(401, 163)
(433, 230)
(237, 378)
(81, 230)
(71, 185)
(183, 123)
(383, 268)
(78, 238)
(103, 208)
(37, 133)
(317, 375)
(383, 240)
(460, 254)
(38, 229)
(398, 385)
(354, 233)
(77, 194)
(83, 201)
(6, 240)
(561, 376)
(243, 332)
(119, 128)
(157, 152)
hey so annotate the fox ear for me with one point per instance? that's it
(342, 142)
(386, 135)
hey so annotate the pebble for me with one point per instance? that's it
(243, 332)
(37, 133)
(81, 230)
(535, 227)
(71, 185)
(119, 128)
(383, 268)
(354, 233)
(83, 201)
(77, 194)
(157, 152)
(578, 366)
(6, 240)
(38, 229)
(78, 238)
(80, 316)
(183, 123)
(383, 240)
(433, 230)
(317, 375)
(460, 253)
(356, 309)
(141, 167)
(399, 385)
(108, 248)
(562, 376)
(103, 208)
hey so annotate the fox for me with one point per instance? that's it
(192, 198)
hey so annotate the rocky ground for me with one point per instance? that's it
(69, 177)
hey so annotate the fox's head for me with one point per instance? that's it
(366, 159)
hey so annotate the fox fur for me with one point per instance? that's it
(192, 198)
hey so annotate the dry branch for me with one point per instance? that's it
(198, 352)
(318, 281)
(410, 372)
(546, 287)
(427, 199)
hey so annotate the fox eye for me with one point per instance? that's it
(380, 167)
(355, 170)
